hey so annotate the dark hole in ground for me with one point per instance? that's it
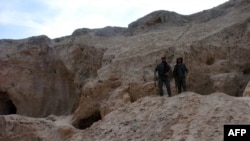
(87, 122)
(246, 70)
(6, 105)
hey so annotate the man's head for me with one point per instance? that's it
(163, 59)
(179, 60)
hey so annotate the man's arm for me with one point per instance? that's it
(169, 70)
(185, 68)
(155, 73)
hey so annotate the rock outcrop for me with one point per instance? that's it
(20, 128)
(105, 32)
(105, 77)
(216, 52)
(189, 116)
(40, 80)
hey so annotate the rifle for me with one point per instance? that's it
(155, 84)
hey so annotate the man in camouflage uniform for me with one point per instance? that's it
(180, 71)
(163, 70)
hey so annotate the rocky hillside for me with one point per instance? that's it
(64, 85)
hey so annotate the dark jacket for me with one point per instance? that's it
(161, 69)
(180, 70)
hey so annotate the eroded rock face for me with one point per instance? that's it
(215, 50)
(188, 116)
(94, 74)
(20, 128)
(36, 81)
(40, 80)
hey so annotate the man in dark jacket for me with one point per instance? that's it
(180, 71)
(163, 70)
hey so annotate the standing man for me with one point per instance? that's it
(164, 71)
(180, 71)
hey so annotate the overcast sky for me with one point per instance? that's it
(55, 18)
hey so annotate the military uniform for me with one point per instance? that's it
(180, 71)
(162, 69)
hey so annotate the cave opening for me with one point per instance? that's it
(6, 105)
(87, 122)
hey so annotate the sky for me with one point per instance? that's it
(56, 18)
